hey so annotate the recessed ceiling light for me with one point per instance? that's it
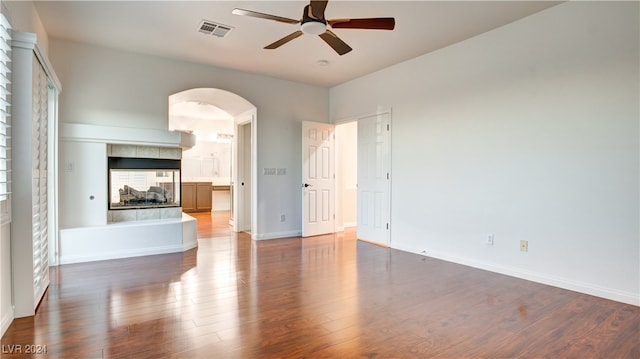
(322, 63)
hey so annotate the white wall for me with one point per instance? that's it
(23, 17)
(208, 160)
(108, 87)
(528, 132)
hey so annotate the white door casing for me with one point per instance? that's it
(374, 182)
(318, 169)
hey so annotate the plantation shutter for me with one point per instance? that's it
(5, 108)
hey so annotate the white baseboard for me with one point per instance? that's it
(7, 319)
(564, 283)
(276, 235)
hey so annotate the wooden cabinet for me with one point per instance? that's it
(188, 194)
(196, 196)
(203, 196)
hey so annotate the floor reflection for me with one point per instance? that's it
(325, 296)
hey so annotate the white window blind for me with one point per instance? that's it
(5, 108)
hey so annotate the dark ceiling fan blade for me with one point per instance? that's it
(334, 41)
(376, 23)
(264, 16)
(317, 8)
(284, 40)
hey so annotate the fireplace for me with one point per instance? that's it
(138, 183)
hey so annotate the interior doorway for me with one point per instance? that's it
(363, 177)
(215, 117)
(242, 193)
(346, 135)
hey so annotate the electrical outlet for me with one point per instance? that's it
(489, 240)
(283, 218)
(524, 246)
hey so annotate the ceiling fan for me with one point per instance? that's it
(314, 23)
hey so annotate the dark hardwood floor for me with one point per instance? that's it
(322, 297)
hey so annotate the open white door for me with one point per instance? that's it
(318, 178)
(374, 188)
(242, 184)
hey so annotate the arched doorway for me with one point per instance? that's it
(202, 111)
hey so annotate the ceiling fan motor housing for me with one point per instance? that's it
(311, 25)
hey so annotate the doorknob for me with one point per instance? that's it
(307, 185)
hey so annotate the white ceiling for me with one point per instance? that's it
(169, 29)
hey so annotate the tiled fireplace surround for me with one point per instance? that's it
(132, 151)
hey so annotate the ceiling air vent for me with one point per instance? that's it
(213, 28)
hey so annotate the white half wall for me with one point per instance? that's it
(527, 132)
(127, 239)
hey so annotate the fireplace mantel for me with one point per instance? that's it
(127, 135)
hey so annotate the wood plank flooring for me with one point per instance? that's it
(322, 297)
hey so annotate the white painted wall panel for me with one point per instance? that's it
(83, 174)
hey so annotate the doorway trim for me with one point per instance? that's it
(239, 156)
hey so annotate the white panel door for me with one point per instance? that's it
(318, 178)
(244, 178)
(374, 178)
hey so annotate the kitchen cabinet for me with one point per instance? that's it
(196, 196)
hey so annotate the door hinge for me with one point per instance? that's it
(388, 127)
(387, 226)
(387, 175)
